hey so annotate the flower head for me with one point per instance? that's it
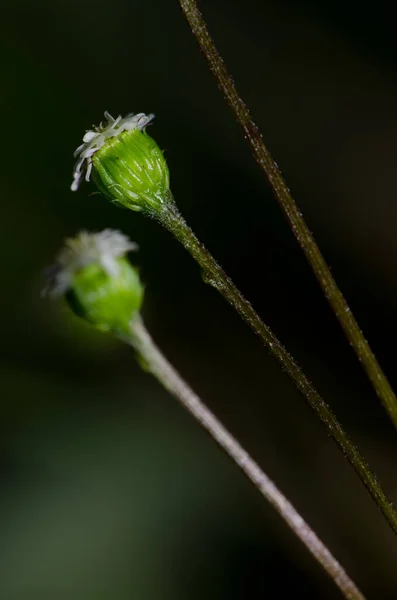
(98, 281)
(126, 164)
(95, 139)
(103, 248)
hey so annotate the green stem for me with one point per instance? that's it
(291, 211)
(156, 363)
(215, 276)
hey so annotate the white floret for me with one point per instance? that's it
(94, 139)
(86, 248)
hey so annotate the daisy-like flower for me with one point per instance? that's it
(124, 162)
(98, 281)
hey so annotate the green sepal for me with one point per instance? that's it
(107, 301)
(130, 169)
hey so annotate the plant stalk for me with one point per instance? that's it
(156, 363)
(291, 211)
(214, 275)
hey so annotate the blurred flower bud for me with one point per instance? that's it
(126, 164)
(99, 283)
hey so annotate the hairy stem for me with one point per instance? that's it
(291, 211)
(156, 363)
(215, 276)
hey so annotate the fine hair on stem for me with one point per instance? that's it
(291, 211)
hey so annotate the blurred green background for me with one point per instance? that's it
(108, 490)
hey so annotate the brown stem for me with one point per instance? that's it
(291, 211)
(215, 276)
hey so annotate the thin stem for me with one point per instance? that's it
(156, 363)
(215, 276)
(291, 210)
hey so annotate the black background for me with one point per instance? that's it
(108, 489)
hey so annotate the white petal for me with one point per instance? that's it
(108, 116)
(89, 169)
(109, 265)
(76, 182)
(144, 120)
(79, 150)
(130, 124)
(90, 152)
(89, 136)
(78, 165)
(116, 122)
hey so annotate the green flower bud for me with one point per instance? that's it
(126, 164)
(99, 283)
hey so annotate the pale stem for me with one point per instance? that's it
(156, 363)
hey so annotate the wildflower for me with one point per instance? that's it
(124, 162)
(97, 280)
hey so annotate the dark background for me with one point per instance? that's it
(108, 490)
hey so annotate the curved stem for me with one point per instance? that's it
(215, 276)
(291, 211)
(156, 363)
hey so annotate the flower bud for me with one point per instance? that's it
(126, 164)
(99, 283)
